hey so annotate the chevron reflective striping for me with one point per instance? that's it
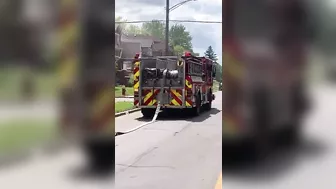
(136, 85)
(136, 98)
(137, 64)
(176, 97)
(68, 70)
(234, 67)
(68, 35)
(188, 102)
(103, 110)
(102, 99)
(150, 97)
(136, 73)
(148, 94)
(188, 82)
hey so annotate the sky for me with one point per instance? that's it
(203, 35)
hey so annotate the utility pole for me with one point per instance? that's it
(167, 27)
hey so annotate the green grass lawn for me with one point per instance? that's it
(10, 83)
(123, 106)
(118, 90)
(215, 86)
(16, 135)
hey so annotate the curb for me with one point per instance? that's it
(127, 112)
(124, 97)
(19, 156)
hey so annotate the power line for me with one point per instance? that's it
(190, 21)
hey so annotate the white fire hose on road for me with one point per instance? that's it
(157, 111)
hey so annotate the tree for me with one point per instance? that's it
(178, 50)
(179, 36)
(209, 53)
(120, 19)
(134, 29)
(219, 73)
(154, 28)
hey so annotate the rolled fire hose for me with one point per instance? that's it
(157, 111)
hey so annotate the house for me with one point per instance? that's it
(148, 46)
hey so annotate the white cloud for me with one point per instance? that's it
(205, 10)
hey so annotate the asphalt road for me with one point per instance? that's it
(174, 152)
(311, 164)
(179, 153)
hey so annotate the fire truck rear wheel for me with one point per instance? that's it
(208, 105)
(148, 112)
(197, 110)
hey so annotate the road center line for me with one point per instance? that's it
(219, 182)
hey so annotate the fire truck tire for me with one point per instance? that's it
(208, 105)
(148, 112)
(290, 135)
(196, 111)
(100, 154)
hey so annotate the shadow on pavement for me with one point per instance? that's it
(12, 160)
(281, 161)
(183, 115)
(88, 174)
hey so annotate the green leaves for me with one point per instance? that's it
(209, 53)
(179, 36)
(154, 28)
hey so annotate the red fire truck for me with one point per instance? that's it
(173, 83)
(264, 60)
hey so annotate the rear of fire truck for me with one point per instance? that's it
(263, 83)
(173, 83)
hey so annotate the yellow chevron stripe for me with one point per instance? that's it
(137, 74)
(188, 84)
(234, 67)
(151, 103)
(148, 96)
(176, 93)
(68, 34)
(106, 97)
(68, 71)
(228, 126)
(187, 103)
(136, 86)
(175, 102)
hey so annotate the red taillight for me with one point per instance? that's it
(137, 55)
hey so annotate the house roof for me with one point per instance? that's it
(144, 41)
